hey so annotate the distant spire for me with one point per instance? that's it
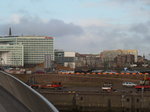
(9, 31)
(144, 56)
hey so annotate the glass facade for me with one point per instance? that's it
(12, 55)
(59, 57)
(66, 59)
(35, 48)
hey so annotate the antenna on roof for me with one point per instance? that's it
(10, 31)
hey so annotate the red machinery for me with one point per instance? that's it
(144, 84)
(53, 85)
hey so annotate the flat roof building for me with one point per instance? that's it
(64, 58)
(110, 55)
(26, 49)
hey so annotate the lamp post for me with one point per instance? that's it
(122, 101)
(142, 96)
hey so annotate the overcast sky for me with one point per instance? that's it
(85, 26)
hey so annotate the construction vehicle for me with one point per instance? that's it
(44, 85)
(107, 87)
(54, 85)
(144, 84)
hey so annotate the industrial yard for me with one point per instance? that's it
(82, 92)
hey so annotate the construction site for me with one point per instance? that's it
(83, 93)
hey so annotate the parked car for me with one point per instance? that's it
(97, 71)
(129, 71)
(110, 71)
(66, 71)
(129, 84)
(145, 71)
(40, 72)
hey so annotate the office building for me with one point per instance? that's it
(11, 55)
(25, 49)
(64, 58)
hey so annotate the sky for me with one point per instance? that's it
(84, 26)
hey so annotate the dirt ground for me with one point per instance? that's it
(71, 80)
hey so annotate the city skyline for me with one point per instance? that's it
(81, 25)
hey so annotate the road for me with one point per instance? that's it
(8, 103)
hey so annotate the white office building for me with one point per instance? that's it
(17, 51)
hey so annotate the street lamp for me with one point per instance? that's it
(142, 94)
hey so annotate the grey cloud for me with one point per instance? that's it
(96, 39)
(35, 26)
(118, 37)
(140, 28)
(91, 39)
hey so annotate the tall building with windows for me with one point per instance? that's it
(26, 49)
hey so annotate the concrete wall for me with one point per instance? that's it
(26, 95)
(99, 102)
